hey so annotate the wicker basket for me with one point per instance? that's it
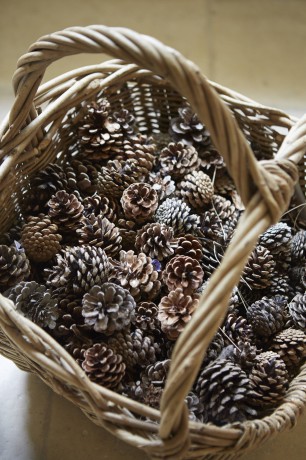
(151, 79)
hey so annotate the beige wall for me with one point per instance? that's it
(254, 46)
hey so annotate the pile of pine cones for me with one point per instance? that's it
(116, 245)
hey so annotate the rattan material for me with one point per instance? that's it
(151, 79)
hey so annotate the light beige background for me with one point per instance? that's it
(253, 46)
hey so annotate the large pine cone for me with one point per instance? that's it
(100, 205)
(177, 214)
(183, 272)
(290, 344)
(70, 322)
(146, 317)
(138, 274)
(139, 202)
(141, 149)
(14, 266)
(117, 176)
(197, 189)
(40, 238)
(236, 329)
(259, 270)
(268, 315)
(98, 231)
(155, 241)
(103, 366)
(82, 176)
(177, 160)
(65, 211)
(276, 238)
(188, 129)
(297, 310)
(108, 308)
(188, 245)
(175, 311)
(79, 268)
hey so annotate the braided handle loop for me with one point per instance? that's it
(265, 187)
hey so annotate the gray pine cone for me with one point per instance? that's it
(268, 315)
(297, 310)
(177, 214)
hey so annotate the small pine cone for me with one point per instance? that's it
(98, 231)
(155, 241)
(65, 211)
(35, 302)
(139, 202)
(259, 269)
(210, 157)
(138, 274)
(276, 238)
(195, 408)
(103, 366)
(100, 136)
(175, 311)
(223, 183)
(220, 221)
(100, 205)
(126, 121)
(82, 176)
(157, 373)
(40, 238)
(188, 245)
(14, 266)
(189, 129)
(79, 268)
(13, 235)
(212, 255)
(177, 214)
(183, 272)
(117, 176)
(280, 285)
(224, 208)
(70, 321)
(146, 316)
(122, 344)
(268, 379)
(223, 389)
(108, 308)
(213, 351)
(236, 329)
(197, 189)
(290, 344)
(164, 185)
(177, 160)
(298, 247)
(243, 354)
(76, 345)
(141, 149)
(267, 316)
(297, 310)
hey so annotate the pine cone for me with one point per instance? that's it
(267, 316)
(108, 308)
(223, 183)
(280, 285)
(212, 255)
(65, 211)
(97, 205)
(14, 266)
(70, 322)
(243, 354)
(259, 270)
(176, 214)
(100, 136)
(98, 231)
(189, 129)
(117, 176)
(36, 303)
(236, 329)
(268, 379)
(297, 310)
(79, 268)
(82, 176)
(214, 349)
(290, 344)
(298, 247)
(156, 373)
(178, 159)
(138, 274)
(211, 158)
(219, 222)
(139, 202)
(183, 272)
(175, 311)
(40, 238)
(223, 389)
(188, 245)
(126, 121)
(146, 317)
(197, 189)
(155, 241)
(164, 185)
(195, 408)
(276, 238)
(140, 149)
(103, 366)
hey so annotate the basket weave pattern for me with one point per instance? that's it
(150, 79)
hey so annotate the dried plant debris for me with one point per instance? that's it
(114, 252)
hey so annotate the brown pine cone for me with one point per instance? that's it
(290, 344)
(65, 211)
(117, 176)
(103, 366)
(269, 380)
(267, 316)
(126, 121)
(146, 316)
(138, 274)
(82, 176)
(212, 255)
(297, 310)
(211, 158)
(141, 149)
(108, 308)
(243, 354)
(214, 349)
(139, 202)
(35, 302)
(164, 185)
(98, 231)
(176, 214)
(97, 204)
(14, 266)
(70, 322)
(197, 189)
(223, 183)
(259, 269)
(79, 268)
(175, 311)
(156, 373)
(177, 160)
(183, 272)
(188, 245)
(189, 129)
(155, 241)
(236, 329)
(40, 238)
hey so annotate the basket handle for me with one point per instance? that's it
(264, 187)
